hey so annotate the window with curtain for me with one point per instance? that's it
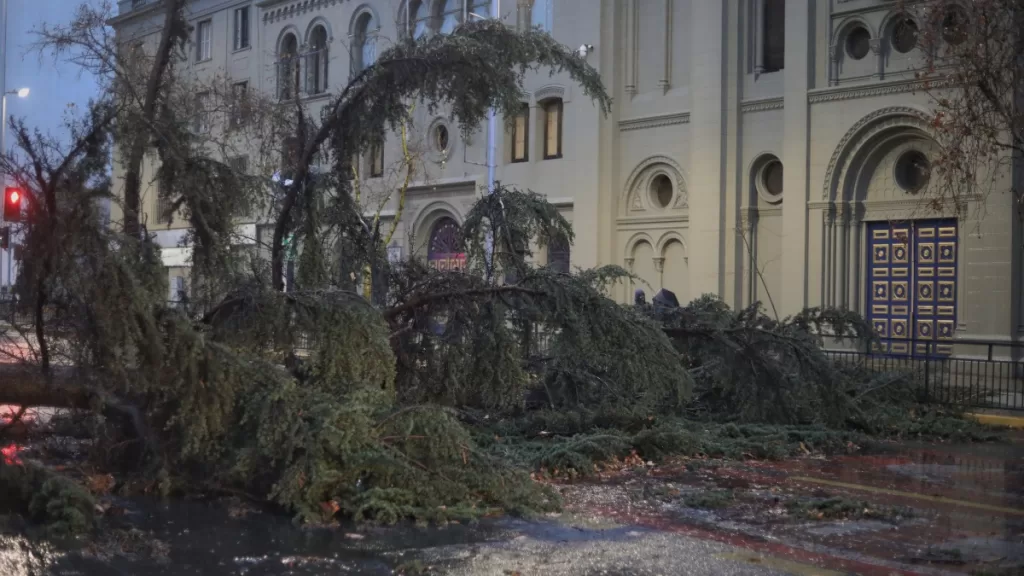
(365, 49)
(774, 35)
(287, 66)
(553, 129)
(316, 62)
(521, 135)
(204, 40)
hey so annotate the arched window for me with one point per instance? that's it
(445, 249)
(316, 62)
(418, 18)
(364, 51)
(287, 67)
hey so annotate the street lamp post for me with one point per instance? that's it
(4, 93)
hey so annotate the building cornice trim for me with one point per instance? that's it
(654, 121)
(762, 105)
(277, 10)
(820, 95)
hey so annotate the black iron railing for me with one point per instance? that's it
(970, 373)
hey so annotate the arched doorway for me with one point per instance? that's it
(445, 249)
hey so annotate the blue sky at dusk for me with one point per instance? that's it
(53, 84)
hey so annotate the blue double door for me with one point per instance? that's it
(911, 290)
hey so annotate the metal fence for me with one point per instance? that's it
(977, 374)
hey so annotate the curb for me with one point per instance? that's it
(997, 420)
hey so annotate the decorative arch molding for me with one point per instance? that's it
(666, 239)
(428, 215)
(296, 8)
(289, 29)
(863, 132)
(633, 241)
(893, 17)
(551, 91)
(633, 197)
(847, 24)
(318, 21)
(362, 9)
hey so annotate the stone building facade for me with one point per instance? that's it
(771, 150)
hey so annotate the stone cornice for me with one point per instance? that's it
(871, 90)
(660, 219)
(762, 104)
(277, 10)
(654, 121)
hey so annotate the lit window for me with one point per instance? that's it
(204, 41)
(553, 129)
(316, 62)
(521, 135)
(241, 27)
(774, 35)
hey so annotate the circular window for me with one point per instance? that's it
(661, 191)
(954, 25)
(912, 170)
(441, 137)
(858, 42)
(904, 36)
(771, 181)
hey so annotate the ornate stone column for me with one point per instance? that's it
(631, 46)
(666, 76)
(659, 267)
(758, 36)
(833, 65)
(842, 219)
(876, 49)
(628, 264)
(828, 216)
(523, 16)
(748, 241)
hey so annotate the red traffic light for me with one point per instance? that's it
(12, 204)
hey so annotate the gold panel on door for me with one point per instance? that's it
(947, 252)
(925, 292)
(880, 289)
(900, 291)
(945, 329)
(880, 255)
(925, 329)
(947, 291)
(925, 253)
(898, 326)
